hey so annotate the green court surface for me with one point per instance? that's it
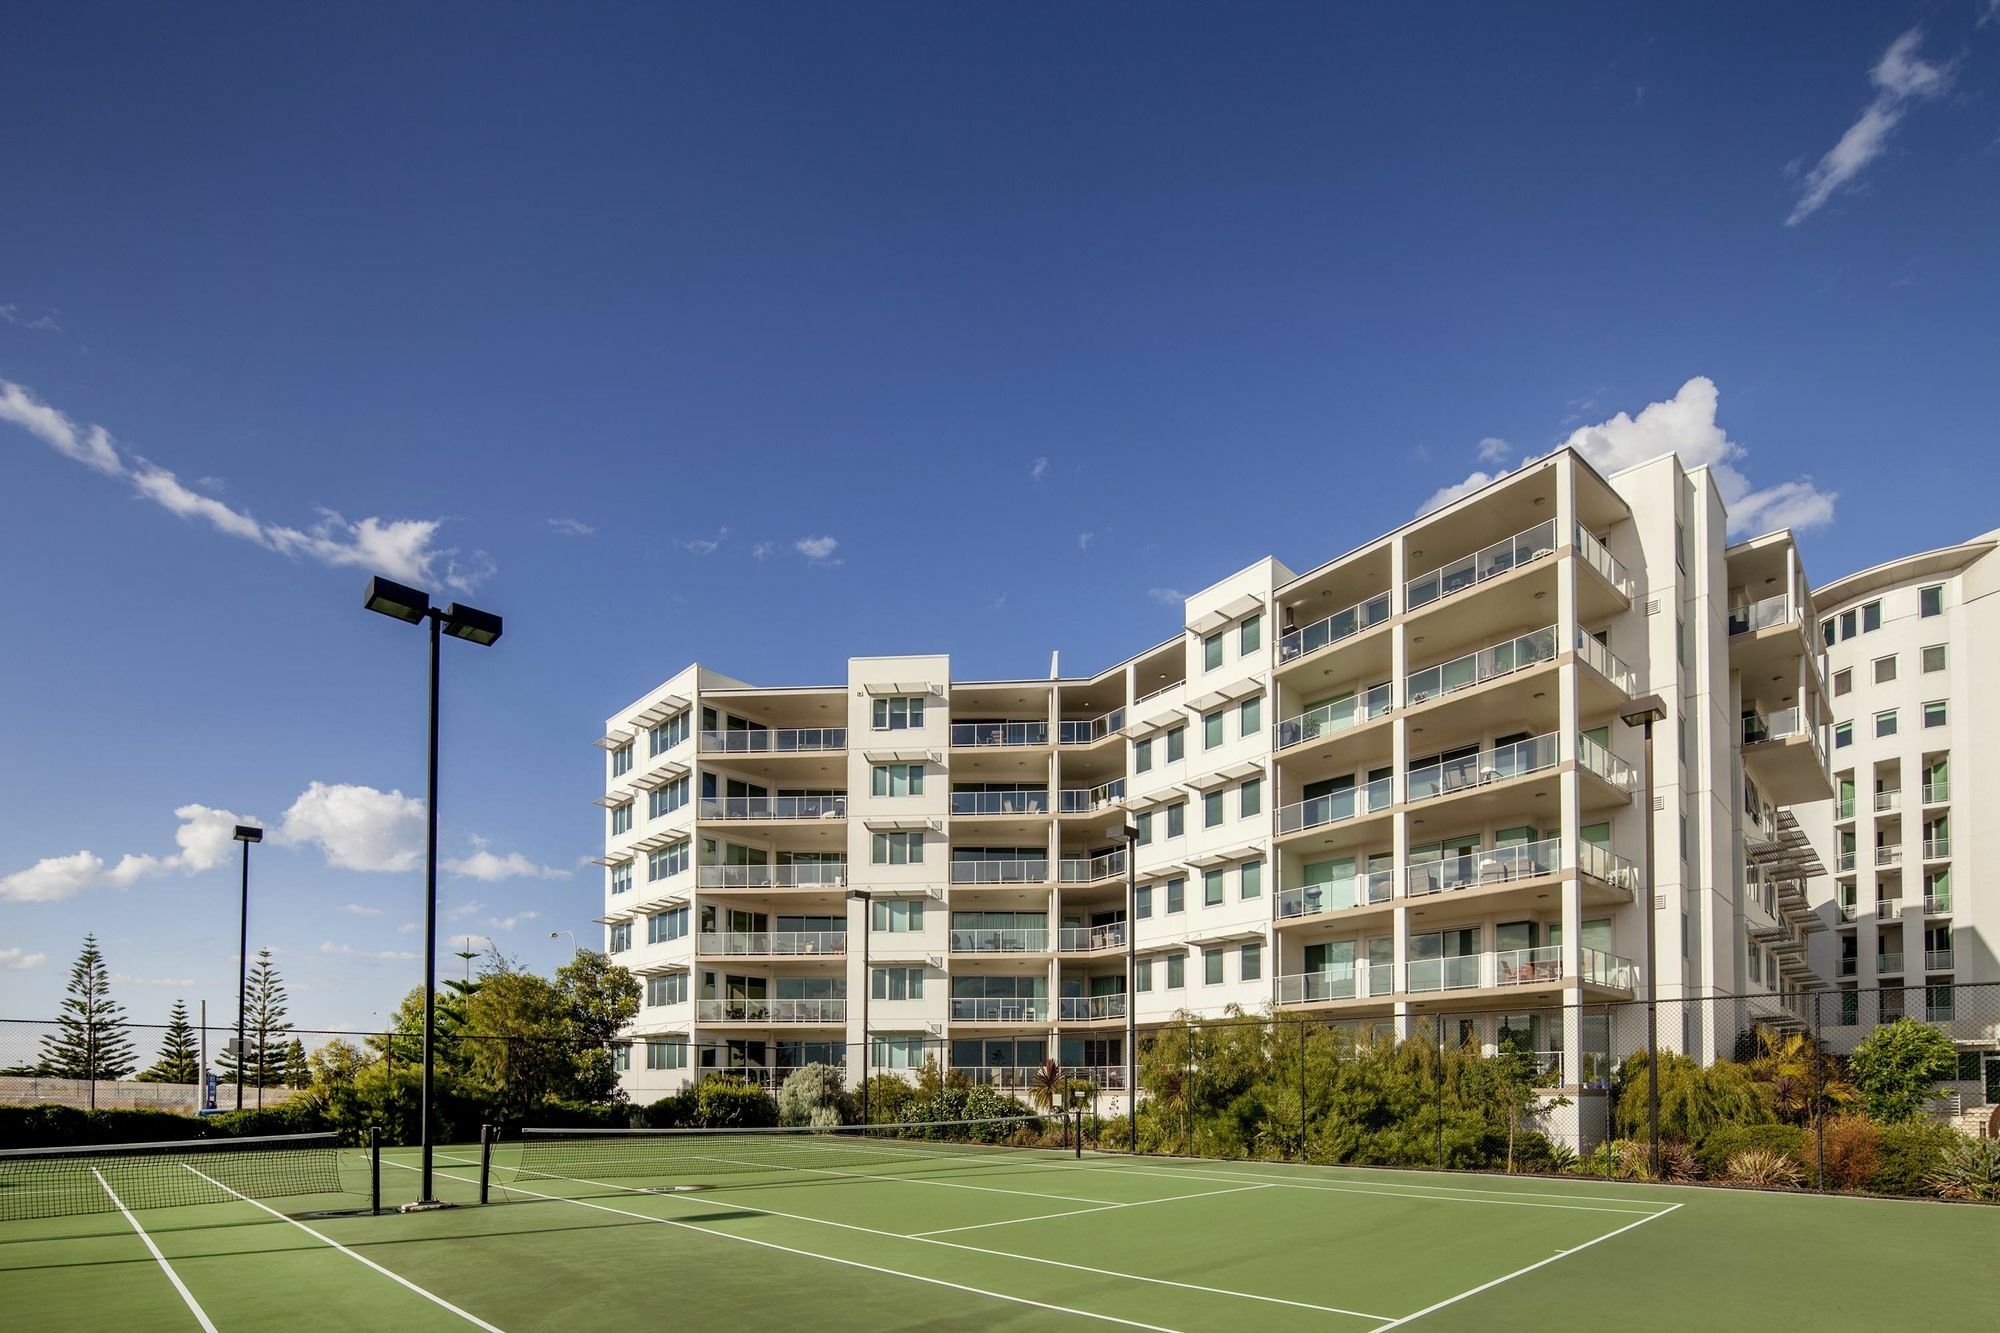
(1011, 1239)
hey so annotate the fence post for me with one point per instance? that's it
(375, 1170)
(1610, 1101)
(485, 1160)
(1818, 1122)
(1303, 1131)
(1438, 1027)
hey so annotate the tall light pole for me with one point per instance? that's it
(1131, 837)
(1643, 714)
(474, 626)
(867, 981)
(245, 834)
(574, 947)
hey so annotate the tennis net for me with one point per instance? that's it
(694, 1156)
(61, 1182)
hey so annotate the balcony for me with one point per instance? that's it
(1091, 939)
(994, 1009)
(1889, 854)
(1340, 625)
(771, 1011)
(1886, 801)
(1090, 800)
(1849, 966)
(1937, 904)
(1492, 866)
(1345, 981)
(1843, 862)
(772, 943)
(1092, 869)
(1332, 718)
(1502, 557)
(1846, 911)
(1090, 1008)
(1889, 964)
(1609, 969)
(1513, 967)
(1501, 764)
(1937, 793)
(1025, 940)
(1337, 895)
(789, 740)
(811, 875)
(1336, 807)
(1034, 870)
(1606, 866)
(1105, 1078)
(1606, 663)
(1843, 808)
(773, 808)
(1888, 909)
(1937, 960)
(1591, 551)
(1033, 802)
(1938, 1007)
(1010, 735)
(1011, 1078)
(1476, 668)
(1938, 848)
(1090, 731)
(1597, 759)
(1763, 615)
(1787, 754)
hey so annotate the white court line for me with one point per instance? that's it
(395, 1277)
(980, 1249)
(194, 1306)
(1079, 1212)
(1509, 1277)
(1390, 1192)
(1157, 1163)
(903, 1180)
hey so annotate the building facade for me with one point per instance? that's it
(1395, 792)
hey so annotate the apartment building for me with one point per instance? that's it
(1915, 750)
(1394, 792)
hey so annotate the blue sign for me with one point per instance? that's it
(208, 1092)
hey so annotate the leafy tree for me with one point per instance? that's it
(600, 998)
(298, 1074)
(1898, 1067)
(1694, 1099)
(337, 1063)
(90, 1040)
(180, 1053)
(1804, 1083)
(813, 1095)
(264, 1030)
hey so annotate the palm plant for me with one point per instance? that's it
(1047, 1084)
(1970, 1172)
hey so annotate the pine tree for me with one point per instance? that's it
(265, 1031)
(180, 1054)
(298, 1074)
(89, 1041)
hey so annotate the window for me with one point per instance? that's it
(1211, 730)
(1253, 962)
(1846, 625)
(1680, 641)
(1142, 901)
(1176, 896)
(897, 916)
(1211, 651)
(1885, 669)
(1843, 735)
(621, 760)
(1177, 819)
(1176, 744)
(1250, 635)
(1935, 713)
(671, 1053)
(898, 780)
(1930, 601)
(1885, 723)
(621, 1058)
(669, 925)
(1211, 809)
(1826, 630)
(1251, 797)
(669, 989)
(621, 877)
(667, 799)
(621, 937)
(898, 983)
(667, 861)
(1871, 617)
(897, 1052)
(1211, 965)
(1176, 971)
(1253, 879)
(1142, 756)
(1211, 888)
(1250, 716)
(899, 849)
(1144, 823)
(621, 819)
(898, 714)
(1843, 681)
(668, 734)
(1142, 979)
(1934, 658)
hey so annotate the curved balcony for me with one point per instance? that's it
(1332, 629)
(1093, 869)
(1090, 800)
(1500, 764)
(1330, 719)
(1091, 730)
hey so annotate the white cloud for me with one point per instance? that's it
(358, 828)
(1084, 540)
(1038, 469)
(1445, 495)
(759, 550)
(704, 545)
(509, 922)
(486, 866)
(408, 927)
(333, 950)
(470, 907)
(403, 549)
(21, 319)
(356, 909)
(15, 960)
(1900, 77)
(817, 549)
(572, 527)
(205, 836)
(473, 943)
(176, 983)
(1492, 450)
(1167, 596)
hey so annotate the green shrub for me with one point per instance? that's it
(1850, 1148)
(51, 1126)
(1898, 1067)
(1911, 1151)
(1695, 1100)
(888, 1099)
(1715, 1151)
(1765, 1169)
(675, 1111)
(813, 1095)
(1970, 1171)
(731, 1103)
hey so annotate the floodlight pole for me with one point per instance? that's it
(1643, 714)
(245, 834)
(426, 1195)
(1131, 836)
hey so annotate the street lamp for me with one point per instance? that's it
(1643, 714)
(245, 834)
(475, 626)
(574, 947)
(1131, 836)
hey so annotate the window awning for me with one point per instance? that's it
(902, 756)
(1248, 851)
(891, 688)
(612, 859)
(658, 776)
(898, 823)
(614, 739)
(658, 711)
(1234, 609)
(1241, 688)
(614, 798)
(654, 842)
(1224, 934)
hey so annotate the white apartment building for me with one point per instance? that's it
(1915, 752)
(1393, 792)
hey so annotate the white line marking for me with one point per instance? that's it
(1509, 1277)
(395, 1277)
(1162, 1164)
(901, 1180)
(1079, 1212)
(194, 1306)
(1390, 1192)
(975, 1249)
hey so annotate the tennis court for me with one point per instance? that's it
(781, 1230)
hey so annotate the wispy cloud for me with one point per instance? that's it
(571, 527)
(1167, 596)
(404, 549)
(357, 909)
(333, 950)
(1901, 77)
(758, 550)
(17, 960)
(21, 319)
(703, 545)
(1492, 450)
(489, 867)
(1445, 495)
(204, 839)
(819, 550)
(1085, 540)
(1038, 469)
(176, 983)
(509, 922)
(407, 928)
(470, 907)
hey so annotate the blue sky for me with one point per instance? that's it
(676, 333)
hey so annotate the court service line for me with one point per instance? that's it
(324, 1239)
(194, 1306)
(981, 1249)
(1079, 1212)
(1509, 1277)
(910, 1180)
(1387, 1193)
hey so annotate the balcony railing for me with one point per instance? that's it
(1847, 911)
(1091, 939)
(1601, 863)
(1843, 807)
(1476, 668)
(1107, 1078)
(1937, 960)
(1089, 1008)
(1937, 848)
(1888, 800)
(1762, 615)
(1334, 895)
(788, 740)
(1599, 760)
(1033, 870)
(1330, 718)
(1937, 904)
(770, 1011)
(999, 733)
(1090, 869)
(1606, 663)
(1019, 1078)
(1889, 854)
(774, 807)
(1938, 1007)
(809, 875)
(771, 943)
(1608, 969)
(1344, 981)
(1488, 766)
(1023, 940)
(1089, 800)
(1849, 966)
(1843, 862)
(1034, 802)
(1889, 964)
(1493, 865)
(1335, 807)
(994, 1009)
(1510, 967)
(1937, 793)
(1500, 558)
(1888, 909)
(1592, 553)
(1340, 625)
(1090, 730)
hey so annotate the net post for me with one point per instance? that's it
(375, 1170)
(485, 1160)
(1079, 1133)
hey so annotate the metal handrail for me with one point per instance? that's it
(1090, 869)
(785, 740)
(1034, 870)
(1033, 801)
(1937, 848)
(1091, 730)
(1091, 939)
(1335, 807)
(999, 733)
(1763, 614)
(1480, 666)
(1342, 982)
(1937, 793)
(1502, 557)
(1889, 854)
(1016, 940)
(1089, 800)
(771, 1011)
(1600, 760)
(1488, 766)
(1328, 718)
(1089, 1008)
(1606, 663)
(1888, 800)
(776, 943)
(773, 807)
(1000, 1009)
(811, 874)
(1493, 865)
(1376, 886)
(1329, 630)
(1595, 555)
(1938, 960)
